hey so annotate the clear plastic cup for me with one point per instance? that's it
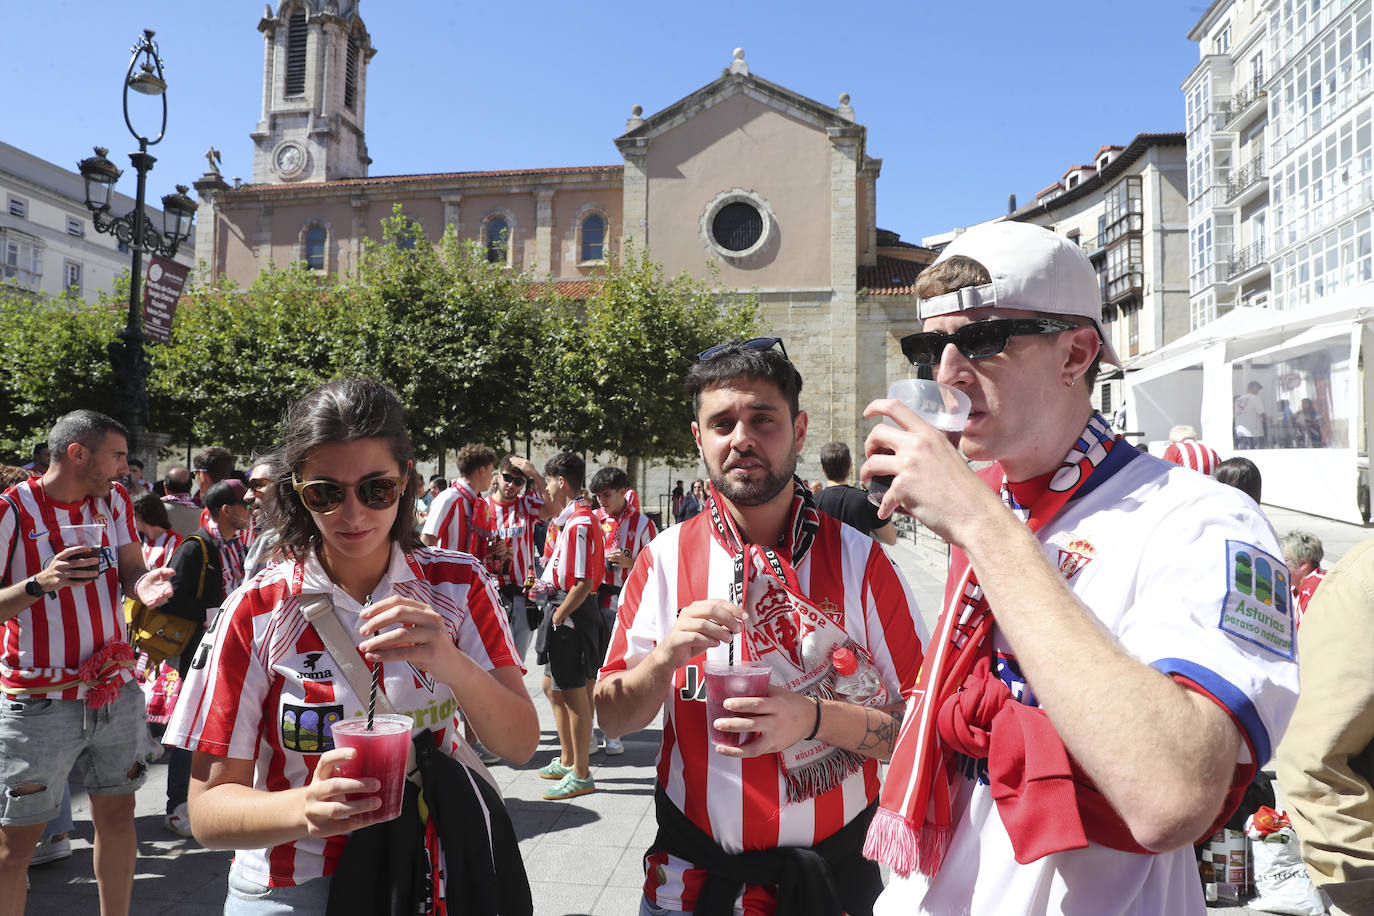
(941, 406)
(724, 680)
(380, 754)
(83, 535)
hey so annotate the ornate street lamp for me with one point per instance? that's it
(130, 365)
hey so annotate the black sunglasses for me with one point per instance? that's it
(324, 497)
(978, 339)
(512, 478)
(754, 343)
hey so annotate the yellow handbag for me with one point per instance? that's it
(160, 634)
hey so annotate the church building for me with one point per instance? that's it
(774, 189)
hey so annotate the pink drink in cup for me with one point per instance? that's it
(723, 680)
(380, 754)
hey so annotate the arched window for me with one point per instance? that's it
(314, 248)
(498, 240)
(593, 237)
(297, 35)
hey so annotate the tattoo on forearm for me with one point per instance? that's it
(880, 734)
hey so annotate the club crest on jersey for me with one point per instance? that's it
(1257, 603)
(782, 622)
(306, 729)
(1073, 556)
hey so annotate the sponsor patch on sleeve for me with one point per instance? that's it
(1258, 606)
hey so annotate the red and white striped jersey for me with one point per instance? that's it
(743, 804)
(180, 499)
(264, 688)
(1193, 454)
(45, 643)
(231, 556)
(458, 518)
(157, 552)
(515, 523)
(1303, 592)
(579, 552)
(630, 531)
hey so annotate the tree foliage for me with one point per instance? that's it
(613, 380)
(53, 360)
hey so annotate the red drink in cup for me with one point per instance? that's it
(380, 754)
(723, 680)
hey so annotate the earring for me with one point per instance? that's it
(1071, 380)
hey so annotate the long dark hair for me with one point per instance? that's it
(343, 410)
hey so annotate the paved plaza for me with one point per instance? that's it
(582, 856)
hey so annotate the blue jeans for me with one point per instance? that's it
(248, 898)
(649, 909)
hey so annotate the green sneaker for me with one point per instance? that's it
(554, 769)
(571, 787)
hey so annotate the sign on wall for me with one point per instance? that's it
(162, 286)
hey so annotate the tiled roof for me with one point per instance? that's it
(430, 178)
(578, 289)
(1074, 168)
(1057, 186)
(889, 277)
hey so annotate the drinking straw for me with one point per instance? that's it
(372, 695)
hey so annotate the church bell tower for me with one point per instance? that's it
(314, 88)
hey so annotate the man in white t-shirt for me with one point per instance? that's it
(1250, 417)
(1115, 657)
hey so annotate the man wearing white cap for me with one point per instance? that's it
(1114, 658)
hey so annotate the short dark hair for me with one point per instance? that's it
(473, 457)
(178, 482)
(437, 481)
(609, 479)
(39, 446)
(1242, 474)
(151, 511)
(835, 460)
(343, 410)
(87, 428)
(735, 361)
(569, 466)
(217, 461)
(135, 463)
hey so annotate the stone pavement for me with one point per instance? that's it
(582, 856)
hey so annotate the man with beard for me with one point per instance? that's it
(759, 575)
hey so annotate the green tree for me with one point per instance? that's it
(53, 360)
(613, 379)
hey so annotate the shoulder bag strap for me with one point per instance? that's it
(319, 612)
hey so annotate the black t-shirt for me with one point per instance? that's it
(851, 506)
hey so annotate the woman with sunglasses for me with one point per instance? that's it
(264, 690)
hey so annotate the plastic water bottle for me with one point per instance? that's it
(857, 680)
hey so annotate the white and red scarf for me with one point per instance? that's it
(787, 631)
(913, 826)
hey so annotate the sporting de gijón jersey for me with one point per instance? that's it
(630, 531)
(515, 523)
(743, 804)
(458, 518)
(263, 687)
(158, 551)
(578, 553)
(44, 644)
(1187, 575)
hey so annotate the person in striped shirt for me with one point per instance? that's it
(457, 518)
(745, 829)
(64, 654)
(1185, 450)
(516, 503)
(258, 707)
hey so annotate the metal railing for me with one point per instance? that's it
(1246, 177)
(1244, 259)
(1246, 94)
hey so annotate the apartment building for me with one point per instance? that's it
(1280, 201)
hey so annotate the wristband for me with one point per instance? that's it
(817, 727)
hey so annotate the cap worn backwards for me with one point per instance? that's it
(1031, 268)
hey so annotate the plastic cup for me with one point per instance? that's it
(83, 535)
(723, 680)
(380, 754)
(941, 406)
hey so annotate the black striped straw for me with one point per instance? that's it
(372, 695)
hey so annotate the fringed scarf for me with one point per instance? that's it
(913, 826)
(787, 631)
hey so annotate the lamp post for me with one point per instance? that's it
(130, 365)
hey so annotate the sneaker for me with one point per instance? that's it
(485, 755)
(179, 821)
(554, 769)
(614, 747)
(57, 846)
(595, 744)
(571, 787)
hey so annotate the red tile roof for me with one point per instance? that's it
(578, 289)
(1057, 186)
(889, 277)
(1074, 168)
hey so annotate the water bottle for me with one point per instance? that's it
(856, 679)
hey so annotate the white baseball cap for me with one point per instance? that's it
(1031, 268)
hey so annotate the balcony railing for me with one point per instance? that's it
(1245, 177)
(1246, 94)
(1129, 283)
(1245, 259)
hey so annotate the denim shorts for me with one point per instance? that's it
(41, 739)
(652, 909)
(249, 898)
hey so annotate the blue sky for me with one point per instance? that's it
(965, 102)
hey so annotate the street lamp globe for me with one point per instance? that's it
(100, 174)
(178, 211)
